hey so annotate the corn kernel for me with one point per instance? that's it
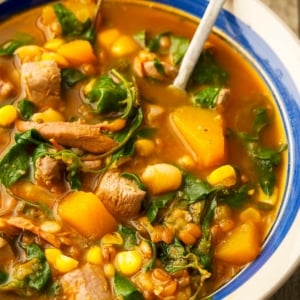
(144, 147)
(112, 239)
(128, 262)
(224, 175)
(124, 45)
(8, 115)
(53, 44)
(49, 115)
(65, 263)
(94, 255)
(52, 254)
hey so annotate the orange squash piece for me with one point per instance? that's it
(77, 52)
(86, 213)
(201, 132)
(241, 246)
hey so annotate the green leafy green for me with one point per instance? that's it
(26, 108)
(128, 235)
(34, 273)
(237, 197)
(208, 71)
(195, 189)
(71, 76)
(125, 288)
(107, 96)
(207, 98)
(71, 26)
(17, 160)
(140, 37)
(179, 46)
(136, 179)
(9, 47)
(153, 44)
(159, 66)
(157, 203)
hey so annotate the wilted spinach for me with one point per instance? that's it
(9, 47)
(207, 98)
(26, 108)
(71, 76)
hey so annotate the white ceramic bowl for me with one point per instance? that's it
(275, 52)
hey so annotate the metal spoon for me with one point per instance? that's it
(194, 50)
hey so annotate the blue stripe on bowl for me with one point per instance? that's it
(287, 99)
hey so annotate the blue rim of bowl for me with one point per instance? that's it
(287, 100)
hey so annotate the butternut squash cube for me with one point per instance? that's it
(241, 246)
(86, 213)
(201, 132)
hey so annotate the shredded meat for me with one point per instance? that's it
(120, 195)
(6, 89)
(85, 136)
(42, 80)
(86, 283)
(49, 172)
(10, 225)
(222, 99)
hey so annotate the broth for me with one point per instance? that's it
(113, 184)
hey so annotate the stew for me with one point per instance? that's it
(115, 185)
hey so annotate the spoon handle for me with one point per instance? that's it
(194, 50)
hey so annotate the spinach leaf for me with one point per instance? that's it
(208, 71)
(3, 277)
(9, 47)
(179, 46)
(17, 160)
(136, 179)
(261, 120)
(140, 37)
(106, 96)
(128, 235)
(71, 26)
(159, 66)
(125, 288)
(26, 108)
(158, 203)
(207, 98)
(237, 197)
(195, 189)
(153, 44)
(71, 76)
(34, 273)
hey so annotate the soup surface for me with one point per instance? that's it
(115, 185)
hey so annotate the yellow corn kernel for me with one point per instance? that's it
(107, 37)
(224, 175)
(49, 115)
(144, 147)
(64, 263)
(52, 254)
(29, 53)
(112, 239)
(50, 226)
(128, 262)
(123, 46)
(250, 214)
(94, 255)
(162, 178)
(59, 59)
(8, 115)
(53, 44)
(267, 202)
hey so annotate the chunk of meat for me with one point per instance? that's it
(41, 81)
(26, 224)
(76, 135)
(49, 172)
(86, 283)
(148, 65)
(120, 195)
